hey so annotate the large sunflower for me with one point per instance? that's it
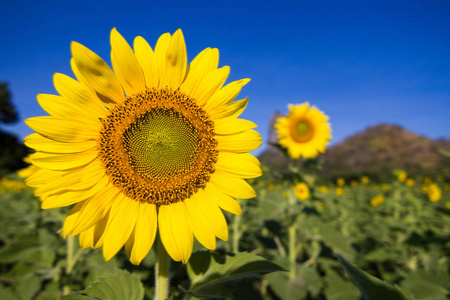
(150, 143)
(304, 131)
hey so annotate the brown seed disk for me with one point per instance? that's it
(158, 146)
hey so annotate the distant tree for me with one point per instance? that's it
(12, 151)
(8, 113)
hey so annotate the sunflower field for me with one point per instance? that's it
(395, 231)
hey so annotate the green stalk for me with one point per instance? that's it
(292, 238)
(161, 272)
(70, 241)
(236, 232)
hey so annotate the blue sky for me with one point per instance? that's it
(361, 62)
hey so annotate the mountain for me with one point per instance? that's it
(377, 150)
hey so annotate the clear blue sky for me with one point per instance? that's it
(361, 62)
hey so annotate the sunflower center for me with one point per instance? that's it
(302, 131)
(158, 146)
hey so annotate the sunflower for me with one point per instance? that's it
(304, 131)
(151, 145)
(302, 191)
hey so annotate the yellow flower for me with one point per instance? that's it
(304, 131)
(340, 181)
(323, 189)
(339, 191)
(447, 205)
(365, 180)
(434, 192)
(11, 185)
(377, 200)
(353, 183)
(385, 187)
(302, 191)
(151, 144)
(402, 175)
(410, 182)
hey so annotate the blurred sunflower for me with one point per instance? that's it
(151, 143)
(304, 131)
(302, 191)
(434, 192)
(377, 200)
(365, 180)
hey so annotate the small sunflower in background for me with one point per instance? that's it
(340, 181)
(304, 132)
(410, 182)
(338, 191)
(302, 191)
(377, 200)
(434, 192)
(150, 145)
(365, 180)
(402, 175)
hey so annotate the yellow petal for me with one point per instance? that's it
(64, 108)
(176, 60)
(199, 224)
(122, 219)
(97, 73)
(226, 94)
(233, 109)
(143, 236)
(202, 207)
(125, 65)
(232, 186)
(62, 129)
(65, 198)
(78, 179)
(78, 92)
(242, 142)
(60, 162)
(160, 56)
(87, 238)
(147, 60)
(175, 230)
(71, 218)
(243, 165)
(222, 200)
(210, 85)
(43, 176)
(200, 67)
(95, 209)
(41, 143)
(227, 126)
(99, 231)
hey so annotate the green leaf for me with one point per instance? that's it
(337, 288)
(424, 285)
(118, 285)
(19, 248)
(28, 287)
(215, 274)
(371, 287)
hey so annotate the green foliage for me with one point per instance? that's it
(215, 274)
(403, 242)
(113, 286)
(371, 287)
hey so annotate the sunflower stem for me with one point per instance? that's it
(292, 238)
(161, 272)
(70, 242)
(236, 232)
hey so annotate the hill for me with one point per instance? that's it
(377, 150)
